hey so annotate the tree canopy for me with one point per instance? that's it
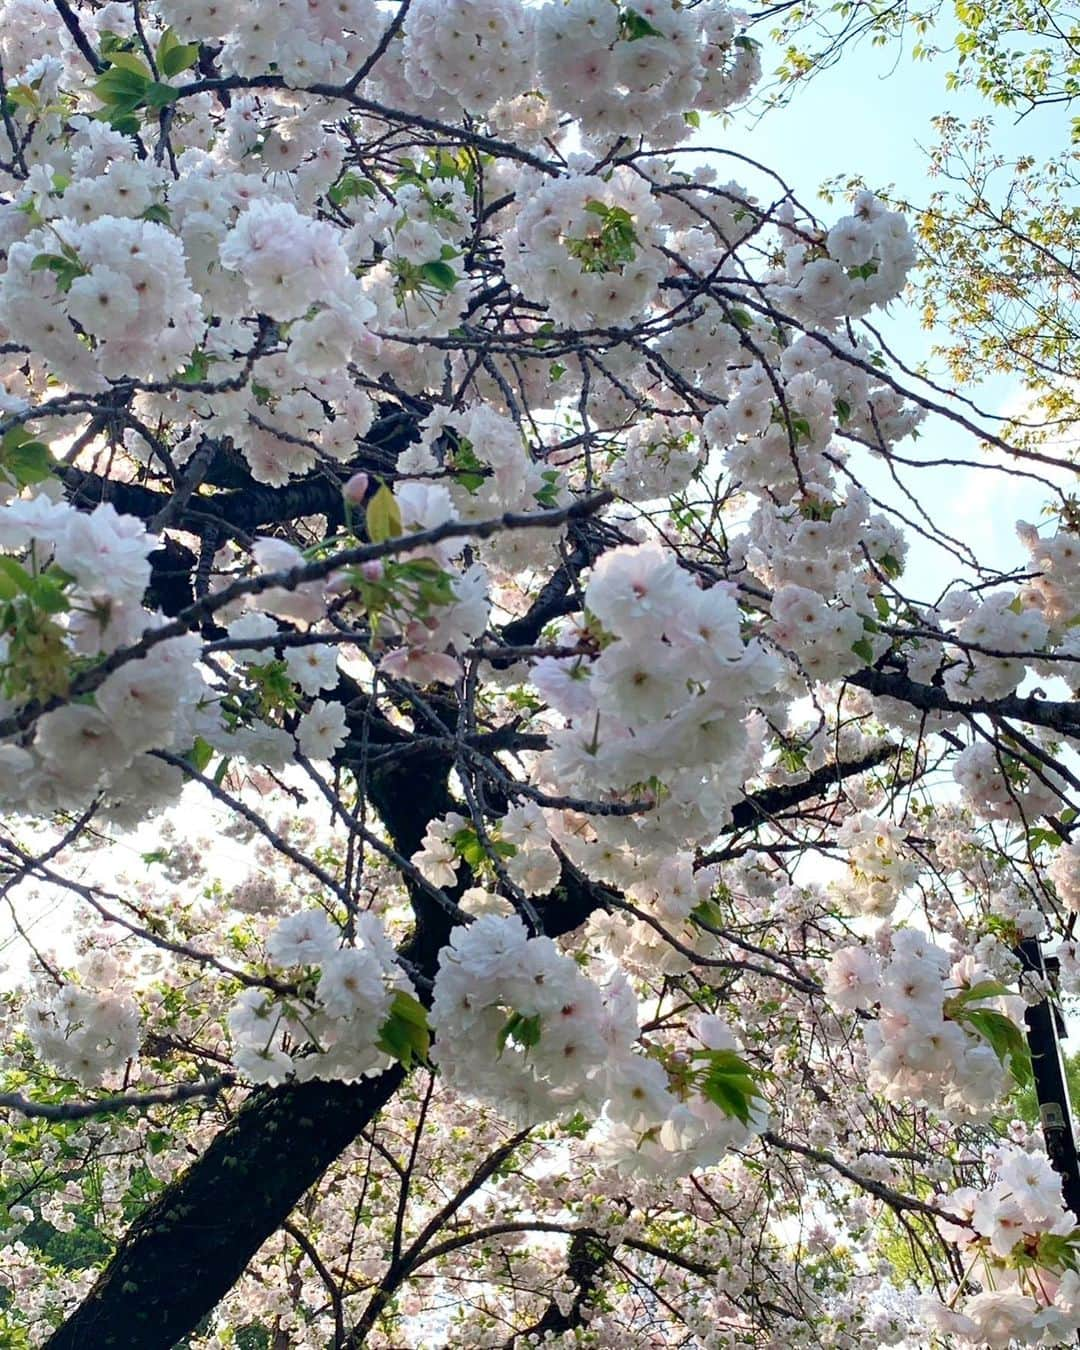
(512, 835)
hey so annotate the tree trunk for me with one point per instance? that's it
(183, 1255)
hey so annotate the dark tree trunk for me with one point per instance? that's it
(184, 1254)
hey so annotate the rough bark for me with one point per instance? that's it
(188, 1248)
(1063, 717)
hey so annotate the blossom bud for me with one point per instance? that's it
(355, 489)
(373, 570)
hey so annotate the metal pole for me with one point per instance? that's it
(1051, 1088)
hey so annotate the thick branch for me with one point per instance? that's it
(1040, 712)
(106, 1106)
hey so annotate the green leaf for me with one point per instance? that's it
(863, 650)
(633, 26)
(158, 1140)
(129, 62)
(727, 1081)
(28, 463)
(173, 56)
(471, 482)
(548, 494)
(409, 1009)
(15, 576)
(801, 427)
(890, 565)
(350, 185)
(405, 1035)
(21, 96)
(159, 213)
(956, 1006)
(1005, 1039)
(440, 275)
(383, 516)
(578, 1126)
(123, 122)
(523, 1031)
(159, 95)
(843, 410)
(1058, 1251)
(196, 369)
(200, 755)
(47, 592)
(117, 85)
(984, 989)
(65, 265)
(9, 588)
(110, 42)
(708, 912)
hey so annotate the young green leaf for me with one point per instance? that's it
(440, 275)
(383, 516)
(727, 1081)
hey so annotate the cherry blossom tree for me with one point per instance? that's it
(530, 856)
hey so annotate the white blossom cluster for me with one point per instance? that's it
(522, 840)
(999, 625)
(660, 711)
(479, 52)
(862, 262)
(880, 867)
(919, 1048)
(1064, 872)
(93, 607)
(331, 1027)
(1009, 1224)
(519, 1023)
(657, 456)
(88, 1027)
(114, 302)
(586, 247)
(665, 894)
(1003, 787)
(307, 42)
(646, 1130)
(635, 71)
(1055, 587)
(490, 470)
